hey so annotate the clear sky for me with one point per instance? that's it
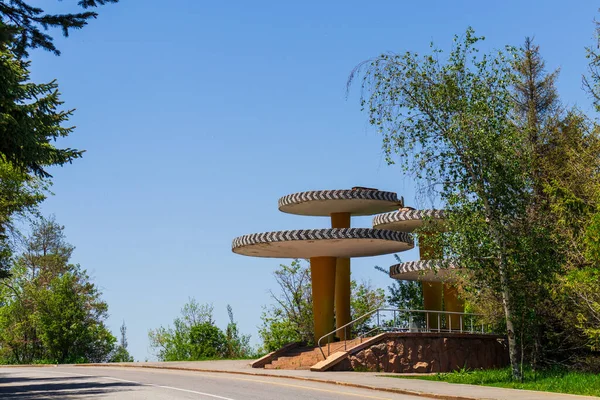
(197, 116)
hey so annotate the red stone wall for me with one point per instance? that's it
(429, 352)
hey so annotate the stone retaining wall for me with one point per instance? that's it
(429, 352)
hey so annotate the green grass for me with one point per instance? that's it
(553, 380)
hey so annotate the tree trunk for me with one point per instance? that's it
(510, 330)
(506, 294)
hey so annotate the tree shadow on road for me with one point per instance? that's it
(72, 387)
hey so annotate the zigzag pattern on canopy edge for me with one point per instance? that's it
(321, 234)
(347, 194)
(407, 215)
(417, 266)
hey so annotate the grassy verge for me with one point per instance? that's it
(554, 380)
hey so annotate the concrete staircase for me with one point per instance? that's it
(306, 357)
(339, 355)
(298, 358)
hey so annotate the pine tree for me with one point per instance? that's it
(565, 145)
(121, 354)
(30, 116)
(536, 98)
(123, 330)
(238, 344)
(30, 119)
(537, 108)
(26, 22)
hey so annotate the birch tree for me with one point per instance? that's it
(449, 122)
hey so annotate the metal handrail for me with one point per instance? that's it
(343, 327)
(403, 311)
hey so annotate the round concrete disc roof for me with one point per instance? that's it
(408, 220)
(337, 242)
(323, 203)
(424, 271)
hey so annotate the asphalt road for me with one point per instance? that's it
(29, 383)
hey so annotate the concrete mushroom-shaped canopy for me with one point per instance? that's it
(323, 203)
(407, 220)
(424, 270)
(309, 243)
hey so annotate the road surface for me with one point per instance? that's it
(73, 383)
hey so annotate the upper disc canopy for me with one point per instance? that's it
(355, 201)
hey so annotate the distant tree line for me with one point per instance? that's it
(50, 311)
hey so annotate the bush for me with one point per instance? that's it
(206, 341)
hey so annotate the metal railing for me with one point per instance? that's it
(400, 320)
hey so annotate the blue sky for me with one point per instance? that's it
(197, 116)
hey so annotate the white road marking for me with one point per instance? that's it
(363, 396)
(145, 384)
(192, 391)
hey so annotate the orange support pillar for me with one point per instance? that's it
(432, 291)
(432, 300)
(342, 281)
(453, 303)
(322, 270)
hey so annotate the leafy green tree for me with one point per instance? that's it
(207, 341)
(565, 184)
(290, 318)
(51, 311)
(173, 344)
(364, 298)
(574, 300)
(580, 290)
(451, 124)
(121, 354)
(276, 331)
(20, 194)
(403, 295)
(68, 318)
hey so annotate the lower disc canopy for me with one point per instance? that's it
(424, 271)
(409, 220)
(336, 242)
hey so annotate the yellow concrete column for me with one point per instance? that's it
(432, 291)
(432, 300)
(453, 303)
(322, 270)
(342, 280)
